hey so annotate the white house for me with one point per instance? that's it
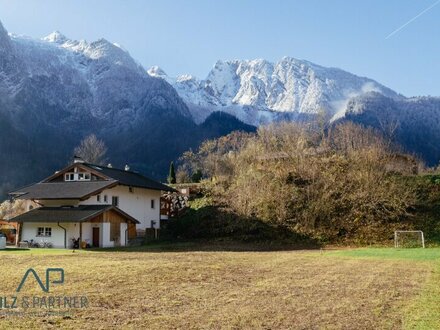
(100, 205)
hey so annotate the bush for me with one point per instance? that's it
(204, 220)
(333, 185)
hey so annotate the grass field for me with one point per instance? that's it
(191, 287)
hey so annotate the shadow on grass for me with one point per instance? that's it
(213, 228)
(210, 246)
(14, 249)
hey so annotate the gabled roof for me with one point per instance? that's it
(63, 190)
(71, 167)
(129, 178)
(105, 177)
(80, 213)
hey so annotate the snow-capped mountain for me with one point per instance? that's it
(98, 78)
(257, 91)
(54, 91)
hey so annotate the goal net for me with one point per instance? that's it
(409, 239)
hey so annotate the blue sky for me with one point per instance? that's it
(189, 36)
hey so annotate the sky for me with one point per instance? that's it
(188, 37)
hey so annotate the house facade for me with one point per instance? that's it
(100, 205)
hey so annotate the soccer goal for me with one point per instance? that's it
(409, 239)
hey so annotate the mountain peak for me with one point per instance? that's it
(156, 71)
(289, 59)
(5, 41)
(256, 88)
(2, 29)
(222, 64)
(56, 37)
(103, 47)
(185, 77)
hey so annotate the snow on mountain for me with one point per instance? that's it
(10, 74)
(157, 72)
(55, 36)
(97, 78)
(289, 86)
(55, 91)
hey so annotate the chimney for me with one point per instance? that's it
(77, 159)
(127, 168)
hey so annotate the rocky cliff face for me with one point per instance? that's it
(289, 86)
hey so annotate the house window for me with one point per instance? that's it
(77, 177)
(105, 199)
(44, 231)
(153, 203)
(98, 198)
(130, 189)
(84, 176)
(115, 200)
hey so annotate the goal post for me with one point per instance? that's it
(409, 238)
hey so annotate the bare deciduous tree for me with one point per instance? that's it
(92, 150)
(389, 125)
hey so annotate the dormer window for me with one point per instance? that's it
(81, 176)
(84, 176)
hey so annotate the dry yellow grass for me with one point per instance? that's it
(215, 290)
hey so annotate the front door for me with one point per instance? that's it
(95, 236)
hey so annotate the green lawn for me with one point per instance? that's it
(418, 254)
(424, 310)
(193, 286)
